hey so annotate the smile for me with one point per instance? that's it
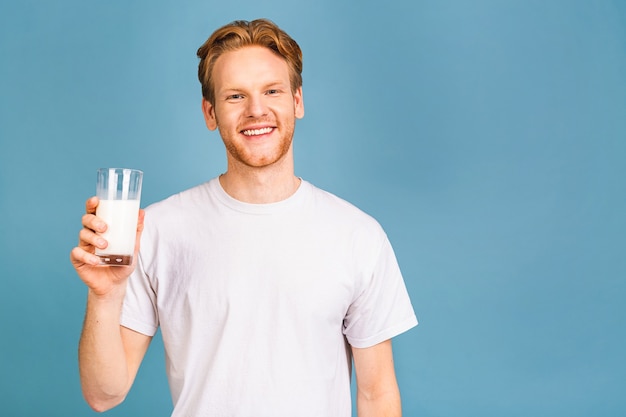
(256, 132)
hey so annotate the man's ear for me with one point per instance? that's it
(299, 103)
(208, 110)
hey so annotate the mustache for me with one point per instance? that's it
(256, 122)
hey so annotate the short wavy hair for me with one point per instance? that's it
(242, 33)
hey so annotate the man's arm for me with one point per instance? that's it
(378, 394)
(109, 355)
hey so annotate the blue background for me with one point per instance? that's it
(487, 137)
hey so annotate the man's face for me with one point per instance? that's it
(255, 109)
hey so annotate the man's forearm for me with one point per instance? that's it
(102, 360)
(387, 404)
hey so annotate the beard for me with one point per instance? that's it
(261, 155)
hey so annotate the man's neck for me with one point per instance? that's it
(259, 186)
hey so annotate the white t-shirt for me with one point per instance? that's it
(258, 303)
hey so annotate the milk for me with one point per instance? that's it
(121, 219)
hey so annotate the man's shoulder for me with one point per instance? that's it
(183, 200)
(340, 209)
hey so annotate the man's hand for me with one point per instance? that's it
(101, 280)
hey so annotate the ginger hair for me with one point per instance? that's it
(242, 33)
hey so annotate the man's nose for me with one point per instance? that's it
(256, 106)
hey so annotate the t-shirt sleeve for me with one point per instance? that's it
(139, 311)
(382, 309)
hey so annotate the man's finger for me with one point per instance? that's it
(91, 205)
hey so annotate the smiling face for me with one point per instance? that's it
(255, 108)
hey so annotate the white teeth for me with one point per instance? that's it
(254, 132)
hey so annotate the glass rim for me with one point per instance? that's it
(120, 169)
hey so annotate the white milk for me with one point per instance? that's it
(121, 219)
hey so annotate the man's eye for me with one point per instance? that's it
(234, 97)
(272, 92)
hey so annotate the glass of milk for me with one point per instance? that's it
(119, 192)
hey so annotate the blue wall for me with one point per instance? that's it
(488, 138)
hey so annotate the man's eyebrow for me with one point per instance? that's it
(271, 84)
(228, 91)
(276, 84)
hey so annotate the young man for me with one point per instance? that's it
(265, 287)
